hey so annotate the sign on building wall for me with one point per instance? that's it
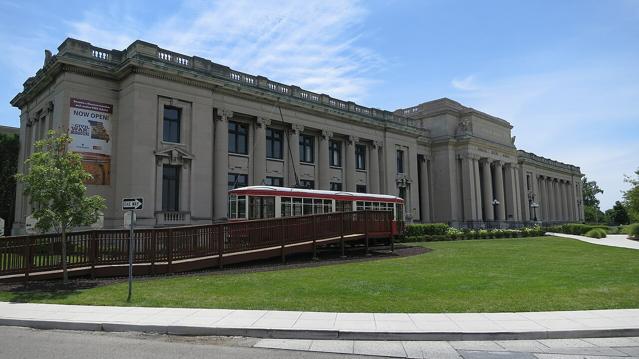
(90, 131)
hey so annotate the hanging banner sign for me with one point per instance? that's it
(90, 131)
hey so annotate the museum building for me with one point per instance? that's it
(180, 131)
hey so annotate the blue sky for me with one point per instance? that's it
(564, 73)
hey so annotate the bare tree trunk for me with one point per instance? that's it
(65, 275)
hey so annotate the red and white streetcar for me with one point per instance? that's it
(260, 202)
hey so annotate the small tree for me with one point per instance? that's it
(54, 183)
(618, 214)
(631, 196)
(590, 190)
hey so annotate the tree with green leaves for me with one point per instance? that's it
(54, 181)
(9, 148)
(590, 189)
(631, 196)
(617, 214)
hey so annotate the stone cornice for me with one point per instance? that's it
(148, 59)
(542, 162)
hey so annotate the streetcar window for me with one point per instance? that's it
(232, 207)
(318, 206)
(376, 206)
(308, 206)
(241, 207)
(286, 207)
(399, 215)
(261, 207)
(359, 205)
(297, 206)
(268, 207)
(328, 206)
(367, 205)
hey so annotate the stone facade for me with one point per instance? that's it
(449, 162)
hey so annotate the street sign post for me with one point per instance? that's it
(132, 205)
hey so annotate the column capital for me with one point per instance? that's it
(225, 115)
(352, 139)
(297, 127)
(485, 160)
(498, 163)
(378, 144)
(263, 122)
(327, 134)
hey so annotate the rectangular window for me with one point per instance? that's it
(238, 138)
(237, 207)
(360, 188)
(307, 184)
(336, 186)
(307, 148)
(274, 143)
(171, 124)
(335, 153)
(400, 161)
(360, 157)
(528, 182)
(170, 188)
(237, 180)
(287, 207)
(274, 181)
(297, 206)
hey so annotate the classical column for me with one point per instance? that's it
(556, 205)
(511, 194)
(373, 171)
(499, 191)
(350, 163)
(542, 200)
(468, 189)
(518, 195)
(221, 164)
(487, 190)
(259, 151)
(572, 200)
(294, 155)
(323, 160)
(564, 201)
(424, 185)
(478, 196)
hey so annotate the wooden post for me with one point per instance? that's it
(366, 215)
(220, 244)
(315, 237)
(154, 248)
(341, 236)
(283, 241)
(170, 252)
(94, 252)
(27, 260)
(392, 236)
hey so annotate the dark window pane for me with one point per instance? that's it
(335, 153)
(307, 184)
(171, 124)
(360, 188)
(274, 143)
(336, 186)
(236, 180)
(400, 161)
(274, 181)
(238, 138)
(360, 157)
(170, 188)
(306, 148)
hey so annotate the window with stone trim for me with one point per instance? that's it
(336, 186)
(274, 143)
(170, 188)
(237, 180)
(171, 124)
(360, 157)
(274, 181)
(307, 148)
(400, 161)
(360, 188)
(309, 184)
(238, 138)
(335, 153)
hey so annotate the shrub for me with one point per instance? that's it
(426, 229)
(596, 233)
(633, 230)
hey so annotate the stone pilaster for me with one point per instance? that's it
(499, 191)
(221, 165)
(293, 159)
(259, 151)
(424, 186)
(487, 190)
(543, 199)
(518, 191)
(373, 171)
(510, 193)
(564, 202)
(323, 160)
(350, 163)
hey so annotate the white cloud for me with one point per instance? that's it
(311, 44)
(566, 116)
(465, 84)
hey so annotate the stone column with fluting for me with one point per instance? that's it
(424, 185)
(564, 202)
(293, 158)
(478, 194)
(487, 190)
(259, 151)
(511, 194)
(373, 172)
(552, 194)
(323, 160)
(350, 164)
(519, 215)
(499, 191)
(221, 165)
(542, 199)
(468, 189)
(571, 201)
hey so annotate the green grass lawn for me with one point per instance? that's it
(531, 274)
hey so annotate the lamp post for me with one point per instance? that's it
(495, 204)
(534, 206)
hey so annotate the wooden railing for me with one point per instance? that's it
(26, 255)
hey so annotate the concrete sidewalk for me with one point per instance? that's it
(612, 240)
(321, 325)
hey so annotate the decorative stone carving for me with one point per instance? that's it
(263, 122)
(225, 115)
(512, 140)
(353, 139)
(464, 127)
(297, 128)
(327, 134)
(173, 156)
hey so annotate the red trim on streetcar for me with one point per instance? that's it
(339, 197)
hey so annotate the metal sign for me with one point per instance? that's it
(132, 203)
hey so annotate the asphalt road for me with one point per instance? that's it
(17, 343)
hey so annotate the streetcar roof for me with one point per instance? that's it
(313, 193)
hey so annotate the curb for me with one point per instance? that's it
(317, 334)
